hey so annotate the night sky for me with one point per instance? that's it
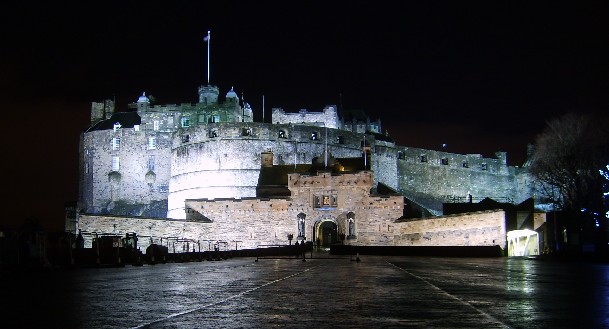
(479, 77)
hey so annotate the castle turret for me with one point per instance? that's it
(101, 111)
(143, 102)
(208, 94)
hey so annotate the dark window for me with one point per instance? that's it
(483, 166)
(340, 140)
(314, 136)
(246, 132)
(401, 155)
(465, 164)
(444, 161)
(185, 138)
(423, 158)
(282, 134)
(212, 134)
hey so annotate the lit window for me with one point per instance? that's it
(86, 167)
(116, 126)
(116, 164)
(282, 134)
(314, 136)
(155, 125)
(152, 143)
(325, 201)
(185, 122)
(136, 127)
(116, 143)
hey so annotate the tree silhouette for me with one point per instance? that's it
(568, 162)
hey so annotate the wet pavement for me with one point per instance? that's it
(323, 292)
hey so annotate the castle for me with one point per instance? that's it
(194, 172)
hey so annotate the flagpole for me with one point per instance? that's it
(208, 40)
(262, 108)
(326, 153)
(365, 154)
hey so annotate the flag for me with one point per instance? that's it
(206, 38)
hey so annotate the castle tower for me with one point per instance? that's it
(208, 94)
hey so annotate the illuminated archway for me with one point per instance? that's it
(326, 232)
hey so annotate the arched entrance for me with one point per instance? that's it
(326, 233)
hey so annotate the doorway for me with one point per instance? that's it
(327, 234)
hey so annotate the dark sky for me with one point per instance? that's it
(479, 76)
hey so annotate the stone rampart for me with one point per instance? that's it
(485, 228)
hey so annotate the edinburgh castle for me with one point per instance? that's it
(207, 171)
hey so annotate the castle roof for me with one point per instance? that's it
(231, 93)
(125, 119)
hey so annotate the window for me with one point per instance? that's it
(116, 126)
(401, 155)
(163, 188)
(212, 134)
(483, 166)
(465, 164)
(116, 143)
(246, 132)
(185, 138)
(444, 161)
(115, 163)
(282, 134)
(136, 127)
(325, 201)
(86, 167)
(152, 143)
(155, 125)
(340, 139)
(314, 136)
(151, 163)
(423, 158)
(186, 122)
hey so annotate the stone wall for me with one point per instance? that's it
(142, 178)
(432, 177)
(259, 223)
(222, 160)
(485, 228)
(327, 118)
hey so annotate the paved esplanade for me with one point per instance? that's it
(381, 292)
